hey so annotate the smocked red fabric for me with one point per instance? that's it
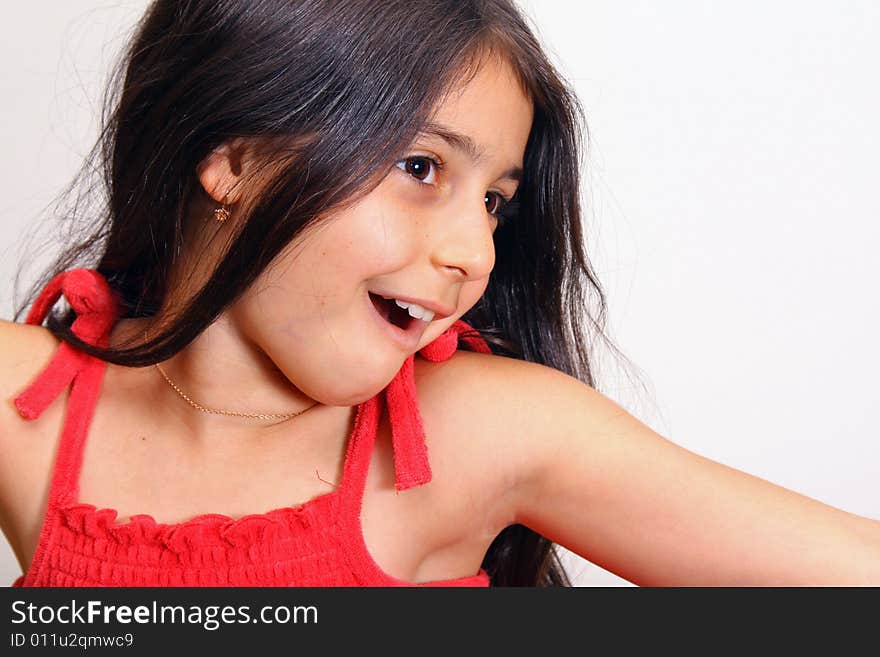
(317, 543)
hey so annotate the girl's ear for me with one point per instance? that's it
(221, 171)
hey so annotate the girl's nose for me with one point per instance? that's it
(464, 246)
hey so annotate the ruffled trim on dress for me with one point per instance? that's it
(203, 531)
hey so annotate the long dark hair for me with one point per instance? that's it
(334, 91)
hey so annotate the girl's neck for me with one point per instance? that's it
(221, 369)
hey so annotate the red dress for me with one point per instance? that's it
(318, 543)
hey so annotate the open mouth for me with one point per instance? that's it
(392, 313)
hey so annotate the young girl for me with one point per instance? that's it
(330, 332)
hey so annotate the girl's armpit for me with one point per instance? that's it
(596, 480)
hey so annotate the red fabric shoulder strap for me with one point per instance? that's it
(96, 310)
(411, 465)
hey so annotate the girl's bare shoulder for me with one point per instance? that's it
(27, 448)
(25, 350)
(482, 389)
(473, 401)
(486, 384)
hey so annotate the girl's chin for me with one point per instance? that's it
(362, 379)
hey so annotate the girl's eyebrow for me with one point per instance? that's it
(463, 143)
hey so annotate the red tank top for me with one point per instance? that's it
(317, 543)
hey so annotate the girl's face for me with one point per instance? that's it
(425, 233)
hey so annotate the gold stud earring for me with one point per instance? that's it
(221, 214)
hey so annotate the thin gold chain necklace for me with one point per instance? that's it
(254, 416)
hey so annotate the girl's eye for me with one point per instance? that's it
(509, 210)
(495, 207)
(419, 167)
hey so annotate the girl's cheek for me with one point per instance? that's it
(409, 191)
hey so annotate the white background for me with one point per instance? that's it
(731, 186)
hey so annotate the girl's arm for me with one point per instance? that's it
(596, 480)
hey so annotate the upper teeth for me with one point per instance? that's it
(414, 309)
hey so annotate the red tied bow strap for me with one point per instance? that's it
(411, 465)
(90, 296)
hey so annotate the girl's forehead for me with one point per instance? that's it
(489, 109)
(492, 75)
